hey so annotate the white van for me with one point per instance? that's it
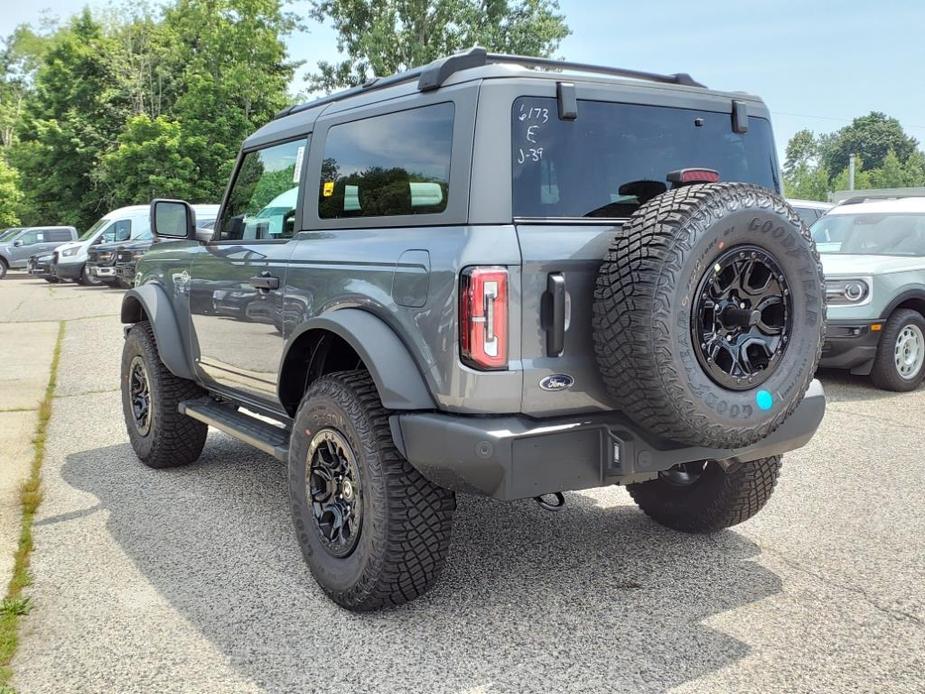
(125, 224)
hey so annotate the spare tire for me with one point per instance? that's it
(709, 314)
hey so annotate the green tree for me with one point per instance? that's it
(387, 36)
(891, 174)
(10, 195)
(231, 76)
(20, 57)
(72, 117)
(861, 179)
(807, 182)
(148, 163)
(871, 137)
(801, 151)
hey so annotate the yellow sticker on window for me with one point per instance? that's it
(328, 189)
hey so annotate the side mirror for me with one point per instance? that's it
(174, 219)
(17, 243)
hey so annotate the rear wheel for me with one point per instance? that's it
(901, 353)
(51, 280)
(373, 531)
(704, 497)
(151, 395)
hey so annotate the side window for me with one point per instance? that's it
(122, 230)
(59, 235)
(262, 201)
(395, 164)
(32, 237)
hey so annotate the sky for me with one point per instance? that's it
(817, 65)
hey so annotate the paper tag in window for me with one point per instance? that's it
(328, 189)
(298, 164)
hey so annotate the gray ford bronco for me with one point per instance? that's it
(486, 276)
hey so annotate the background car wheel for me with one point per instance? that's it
(160, 435)
(901, 353)
(704, 497)
(87, 279)
(3, 268)
(373, 531)
(708, 314)
(51, 280)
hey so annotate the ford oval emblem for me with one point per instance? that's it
(556, 382)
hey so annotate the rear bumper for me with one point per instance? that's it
(850, 345)
(513, 457)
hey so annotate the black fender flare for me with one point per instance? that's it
(916, 294)
(395, 373)
(151, 301)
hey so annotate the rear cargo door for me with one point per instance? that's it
(560, 264)
(579, 171)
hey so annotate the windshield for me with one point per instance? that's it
(871, 234)
(614, 157)
(8, 234)
(92, 230)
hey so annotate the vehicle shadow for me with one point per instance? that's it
(842, 386)
(17, 276)
(588, 598)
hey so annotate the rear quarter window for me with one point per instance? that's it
(388, 165)
(614, 157)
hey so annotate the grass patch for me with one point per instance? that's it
(14, 604)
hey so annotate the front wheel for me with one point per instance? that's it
(3, 268)
(373, 531)
(900, 356)
(87, 278)
(705, 497)
(151, 395)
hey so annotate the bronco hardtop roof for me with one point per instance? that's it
(476, 64)
(435, 74)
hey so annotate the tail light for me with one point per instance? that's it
(483, 329)
(684, 177)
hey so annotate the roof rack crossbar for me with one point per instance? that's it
(433, 75)
(677, 78)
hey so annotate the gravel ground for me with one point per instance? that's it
(190, 580)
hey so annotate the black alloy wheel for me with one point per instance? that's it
(333, 486)
(140, 393)
(741, 318)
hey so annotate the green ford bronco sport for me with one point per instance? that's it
(497, 275)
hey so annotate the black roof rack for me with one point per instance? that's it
(433, 75)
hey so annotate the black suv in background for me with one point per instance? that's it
(128, 254)
(492, 275)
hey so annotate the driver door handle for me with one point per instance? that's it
(264, 281)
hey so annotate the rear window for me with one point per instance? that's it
(614, 157)
(395, 164)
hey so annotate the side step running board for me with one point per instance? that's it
(258, 433)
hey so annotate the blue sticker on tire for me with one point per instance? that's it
(764, 399)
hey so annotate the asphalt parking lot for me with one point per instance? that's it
(190, 580)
